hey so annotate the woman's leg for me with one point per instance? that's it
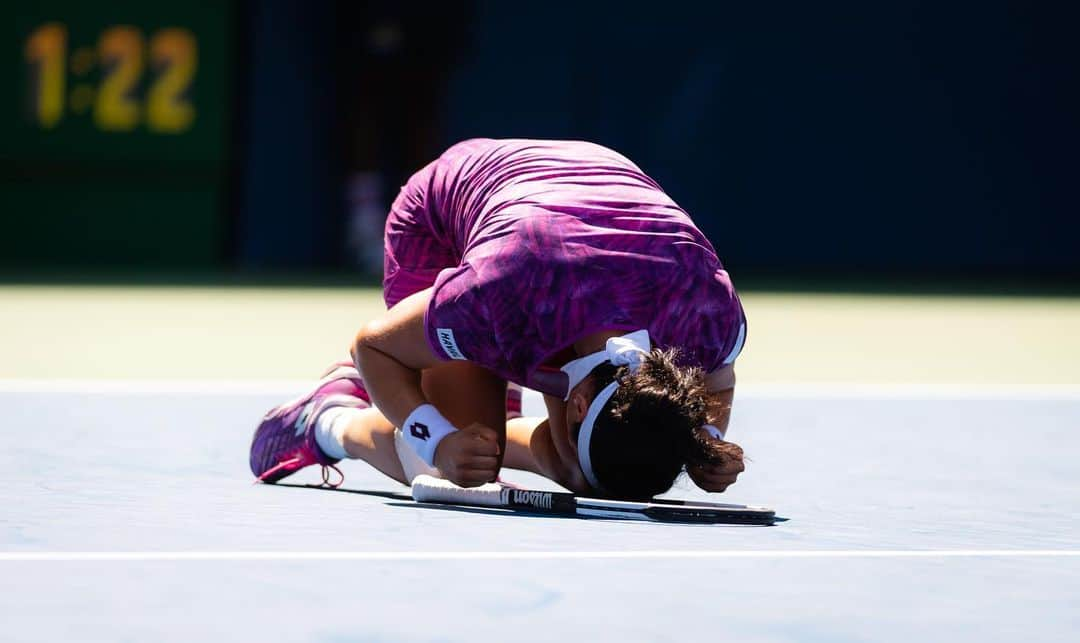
(466, 393)
(369, 436)
(463, 392)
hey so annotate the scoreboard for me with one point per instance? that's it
(114, 133)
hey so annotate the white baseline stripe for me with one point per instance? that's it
(862, 391)
(124, 556)
(283, 388)
(792, 390)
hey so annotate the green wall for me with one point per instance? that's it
(121, 178)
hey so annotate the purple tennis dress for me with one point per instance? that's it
(531, 245)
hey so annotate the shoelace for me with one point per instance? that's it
(326, 477)
(298, 459)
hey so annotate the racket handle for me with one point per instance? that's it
(427, 488)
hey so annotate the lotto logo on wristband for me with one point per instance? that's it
(424, 429)
(419, 430)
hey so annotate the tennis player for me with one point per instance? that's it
(555, 265)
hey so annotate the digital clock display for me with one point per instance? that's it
(117, 81)
(114, 141)
(123, 56)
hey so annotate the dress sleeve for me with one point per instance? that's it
(456, 324)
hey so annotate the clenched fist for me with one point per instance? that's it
(469, 457)
(722, 472)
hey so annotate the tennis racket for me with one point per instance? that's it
(426, 488)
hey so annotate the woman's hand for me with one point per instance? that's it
(722, 472)
(469, 457)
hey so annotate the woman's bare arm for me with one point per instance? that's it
(722, 473)
(718, 410)
(721, 393)
(390, 352)
(529, 447)
(532, 444)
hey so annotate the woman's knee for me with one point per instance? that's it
(465, 393)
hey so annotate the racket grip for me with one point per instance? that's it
(427, 488)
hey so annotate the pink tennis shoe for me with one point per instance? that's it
(284, 443)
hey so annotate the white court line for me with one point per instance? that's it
(139, 556)
(287, 388)
(862, 391)
(794, 390)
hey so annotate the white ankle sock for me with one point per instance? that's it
(330, 429)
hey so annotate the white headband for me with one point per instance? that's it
(630, 351)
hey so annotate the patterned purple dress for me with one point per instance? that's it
(531, 245)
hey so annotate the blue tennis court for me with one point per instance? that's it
(869, 211)
(129, 515)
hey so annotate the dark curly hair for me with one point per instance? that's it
(647, 433)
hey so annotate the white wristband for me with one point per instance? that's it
(424, 429)
(713, 431)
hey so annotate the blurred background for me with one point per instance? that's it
(242, 147)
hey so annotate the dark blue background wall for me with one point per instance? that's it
(806, 138)
(811, 137)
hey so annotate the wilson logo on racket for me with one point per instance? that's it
(539, 499)
(419, 430)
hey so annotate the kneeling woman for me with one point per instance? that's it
(555, 265)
